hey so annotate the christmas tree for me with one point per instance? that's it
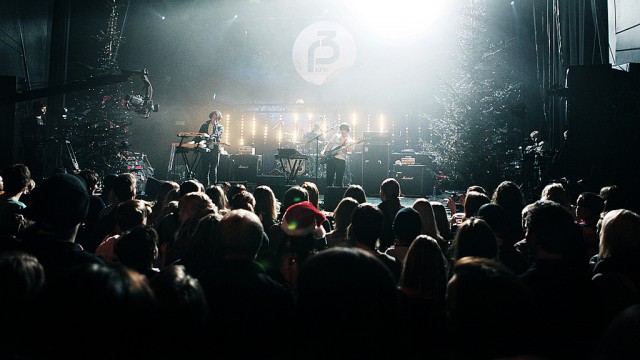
(100, 117)
(471, 140)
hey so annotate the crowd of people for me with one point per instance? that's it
(90, 270)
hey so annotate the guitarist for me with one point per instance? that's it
(335, 152)
(209, 160)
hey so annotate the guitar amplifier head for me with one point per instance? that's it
(247, 150)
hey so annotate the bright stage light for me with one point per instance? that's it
(396, 19)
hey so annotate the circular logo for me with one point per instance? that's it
(323, 50)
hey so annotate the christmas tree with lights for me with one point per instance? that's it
(472, 139)
(100, 116)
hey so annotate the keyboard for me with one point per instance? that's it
(291, 154)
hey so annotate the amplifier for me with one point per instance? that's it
(247, 150)
(245, 167)
(412, 179)
(375, 167)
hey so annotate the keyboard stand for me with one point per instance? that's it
(294, 166)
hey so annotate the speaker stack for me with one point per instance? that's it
(375, 161)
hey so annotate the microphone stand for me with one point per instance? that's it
(317, 139)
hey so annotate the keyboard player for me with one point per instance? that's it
(208, 169)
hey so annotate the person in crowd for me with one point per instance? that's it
(242, 200)
(614, 198)
(189, 186)
(474, 238)
(558, 193)
(510, 198)
(129, 214)
(164, 188)
(58, 206)
(170, 223)
(616, 272)
(299, 235)
(12, 223)
(489, 312)
(507, 255)
(365, 231)
(389, 205)
(422, 291)
(314, 198)
(471, 202)
(22, 280)
(347, 300)
(293, 195)
(342, 218)
(565, 297)
(314, 193)
(234, 189)
(192, 208)
(75, 309)
(137, 248)
(244, 301)
(90, 228)
(105, 190)
(267, 206)
(217, 195)
(589, 206)
(442, 221)
(620, 339)
(429, 226)
(123, 188)
(407, 225)
(183, 312)
(357, 192)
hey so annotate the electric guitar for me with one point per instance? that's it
(335, 150)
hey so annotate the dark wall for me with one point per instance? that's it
(603, 108)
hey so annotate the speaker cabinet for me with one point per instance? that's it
(246, 167)
(353, 175)
(332, 197)
(412, 179)
(375, 167)
(224, 168)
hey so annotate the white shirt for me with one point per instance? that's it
(338, 141)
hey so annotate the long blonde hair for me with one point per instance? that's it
(429, 226)
(620, 234)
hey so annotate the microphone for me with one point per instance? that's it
(277, 124)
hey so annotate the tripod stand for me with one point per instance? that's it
(66, 150)
(61, 155)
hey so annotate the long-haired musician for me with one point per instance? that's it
(208, 172)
